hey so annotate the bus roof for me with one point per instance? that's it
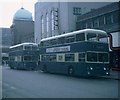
(4, 54)
(76, 32)
(23, 44)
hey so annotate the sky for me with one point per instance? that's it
(9, 7)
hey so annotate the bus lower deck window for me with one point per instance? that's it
(27, 58)
(91, 56)
(103, 57)
(69, 57)
(81, 57)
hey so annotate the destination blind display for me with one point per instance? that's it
(58, 49)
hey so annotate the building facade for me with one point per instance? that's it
(54, 18)
(6, 39)
(5, 43)
(23, 27)
(106, 18)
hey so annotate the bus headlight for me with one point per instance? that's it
(104, 68)
(91, 68)
(107, 73)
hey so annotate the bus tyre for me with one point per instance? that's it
(11, 68)
(44, 69)
(70, 71)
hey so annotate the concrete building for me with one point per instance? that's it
(23, 27)
(54, 18)
(5, 43)
(105, 18)
(6, 39)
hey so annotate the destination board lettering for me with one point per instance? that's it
(58, 49)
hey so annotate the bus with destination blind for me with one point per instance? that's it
(24, 56)
(79, 53)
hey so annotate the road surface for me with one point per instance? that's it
(33, 84)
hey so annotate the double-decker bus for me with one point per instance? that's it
(24, 56)
(79, 53)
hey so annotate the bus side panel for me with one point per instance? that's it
(29, 65)
(79, 69)
(89, 46)
(53, 67)
(81, 47)
(91, 69)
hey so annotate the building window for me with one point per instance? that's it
(76, 11)
(101, 20)
(116, 16)
(84, 25)
(42, 27)
(95, 22)
(79, 25)
(89, 24)
(104, 20)
(52, 22)
(56, 19)
(108, 19)
(111, 18)
(47, 24)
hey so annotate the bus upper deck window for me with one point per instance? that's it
(92, 37)
(46, 43)
(70, 39)
(27, 47)
(19, 48)
(61, 40)
(41, 44)
(34, 48)
(53, 42)
(103, 38)
(80, 37)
